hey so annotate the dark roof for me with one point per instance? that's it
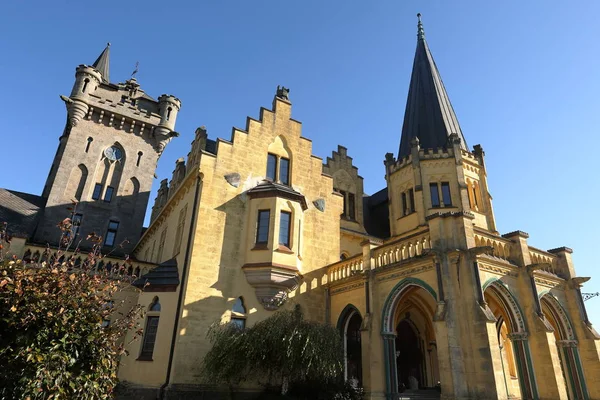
(164, 277)
(268, 188)
(102, 63)
(20, 211)
(376, 214)
(429, 114)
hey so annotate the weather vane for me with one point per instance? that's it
(135, 71)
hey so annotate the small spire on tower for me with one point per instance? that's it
(102, 63)
(420, 30)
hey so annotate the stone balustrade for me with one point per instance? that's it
(345, 268)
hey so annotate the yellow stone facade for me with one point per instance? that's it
(490, 316)
(422, 287)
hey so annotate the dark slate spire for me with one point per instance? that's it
(429, 114)
(102, 63)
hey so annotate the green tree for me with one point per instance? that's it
(284, 351)
(55, 342)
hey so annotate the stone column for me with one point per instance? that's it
(524, 366)
(572, 369)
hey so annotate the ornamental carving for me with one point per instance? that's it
(347, 288)
(411, 271)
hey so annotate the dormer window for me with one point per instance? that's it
(281, 174)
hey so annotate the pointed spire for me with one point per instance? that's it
(429, 115)
(102, 64)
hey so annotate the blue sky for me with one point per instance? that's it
(522, 76)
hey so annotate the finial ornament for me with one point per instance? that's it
(108, 44)
(420, 31)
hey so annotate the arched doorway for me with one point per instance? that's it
(511, 336)
(349, 324)
(410, 351)
(410, 360)
(566, 346)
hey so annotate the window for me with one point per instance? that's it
(343, 193)
(97, 191)
(111, 233)
(271, 166)
(179, 233)
(85, 83)
(446, 198)
(351, 207)
(238, 313)
(284, 171)
(75, 224)
(262, 227)
(411, 198)
(285, 228)
(404, 205)
(140, 154)
(169, 113)
(161, 245)
(109, 194)
(435, 195)
(149, 336)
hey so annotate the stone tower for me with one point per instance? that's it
(106, 158)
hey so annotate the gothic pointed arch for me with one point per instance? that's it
(512, 334)
(387, 320)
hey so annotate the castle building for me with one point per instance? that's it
(417, 279)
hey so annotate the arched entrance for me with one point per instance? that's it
(349, 325)
(566, 343)
(511, 336)
(410, 350)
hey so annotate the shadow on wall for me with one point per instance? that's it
(230, 280)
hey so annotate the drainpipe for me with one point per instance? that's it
(184, 273)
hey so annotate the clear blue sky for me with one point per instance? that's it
(523, 77)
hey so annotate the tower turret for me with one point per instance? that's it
(107, 156)
(168, 107)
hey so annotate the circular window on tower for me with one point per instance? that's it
(113, 153)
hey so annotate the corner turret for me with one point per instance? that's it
(168, 108)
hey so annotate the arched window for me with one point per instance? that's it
(85, 83)
(150, 331)
(137, 271)
(349, 325)
(169, 112)
(27, 255)
(238, 313)
(140, 154)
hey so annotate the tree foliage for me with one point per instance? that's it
(283, 351)
(54, 339)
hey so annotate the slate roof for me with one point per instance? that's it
(161, 278)
(102, 63)
(268, 188)
(429, 114)
(20, 211)
(376, 218)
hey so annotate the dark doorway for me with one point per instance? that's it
(409, 356)
(353, 348)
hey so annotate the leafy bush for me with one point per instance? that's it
(54, 342)
(284, 353)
